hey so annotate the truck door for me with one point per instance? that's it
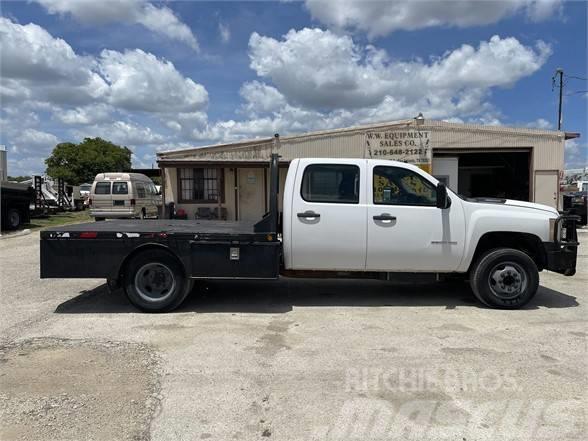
(405, 229)
(329, 215)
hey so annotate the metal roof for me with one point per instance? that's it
(427, 125)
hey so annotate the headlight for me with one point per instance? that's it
(552, 229)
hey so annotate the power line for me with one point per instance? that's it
(576, 77)
(576, 92)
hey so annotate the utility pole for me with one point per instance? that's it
(560, 73)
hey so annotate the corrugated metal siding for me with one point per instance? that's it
(342, 146)
(547, 146)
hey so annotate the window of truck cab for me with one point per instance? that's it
(330, 183)
(401, 186)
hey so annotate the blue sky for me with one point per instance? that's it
(162, 75)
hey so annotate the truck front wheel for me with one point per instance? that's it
(155, 282)
(504, 278)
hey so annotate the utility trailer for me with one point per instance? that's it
(342, 217)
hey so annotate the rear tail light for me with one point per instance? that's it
(132, 202)
(88, 235)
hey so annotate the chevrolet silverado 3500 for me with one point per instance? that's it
(341, 218)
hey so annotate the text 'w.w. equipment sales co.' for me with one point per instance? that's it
(411, 146)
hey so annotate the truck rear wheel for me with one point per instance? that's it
(504, 278)
(155, 282)
(13, 219)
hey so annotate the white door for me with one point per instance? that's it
(406, 231)
(251, 195)
(329, 215)
(446, 170)
(547, 187)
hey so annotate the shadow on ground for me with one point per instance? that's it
(283, 295)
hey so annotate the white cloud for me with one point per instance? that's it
(141, 81)
(90, 114)
(160, 20)
(378, 18)
(321, 70)
(121, 132)
(322, 80)
(36, 66)
(26, 166)
(540, 123)
(224, 32)
(49, 92)
(261, 98)
(31, 141)
(576, 154)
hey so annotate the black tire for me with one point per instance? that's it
(98, 219)
(13, 219)
(504, 278)
(154, 281)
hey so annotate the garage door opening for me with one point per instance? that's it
(496, 174)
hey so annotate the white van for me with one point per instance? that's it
(123, 195)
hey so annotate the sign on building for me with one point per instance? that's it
(411, 146)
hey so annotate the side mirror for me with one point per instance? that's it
(443, 200)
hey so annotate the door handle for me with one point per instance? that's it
(385, 217)
(308, 215)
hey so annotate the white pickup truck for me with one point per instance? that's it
(341, 218)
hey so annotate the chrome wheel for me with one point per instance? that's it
(507, 280)
(155, 282)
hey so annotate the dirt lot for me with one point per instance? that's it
(288, 360)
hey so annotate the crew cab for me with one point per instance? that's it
(341, 218)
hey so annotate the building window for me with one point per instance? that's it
(201, 185)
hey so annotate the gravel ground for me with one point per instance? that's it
(289, 360)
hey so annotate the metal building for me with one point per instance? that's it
(230, 181)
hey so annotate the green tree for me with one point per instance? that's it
(17, 178)
(79, 163)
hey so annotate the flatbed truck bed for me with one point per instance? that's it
(206, 249)
(157, 261)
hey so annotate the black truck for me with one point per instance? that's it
(16, 202)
